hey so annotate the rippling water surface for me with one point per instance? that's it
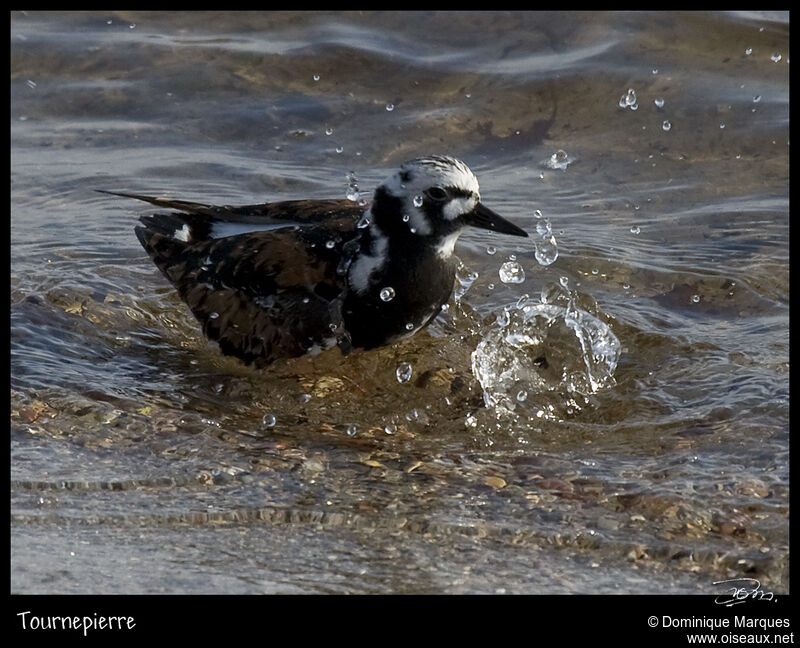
(647, 453)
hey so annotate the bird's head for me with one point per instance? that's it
(435, 198)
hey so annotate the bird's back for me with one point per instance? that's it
(261, 279)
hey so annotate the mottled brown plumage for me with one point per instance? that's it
(263, 295)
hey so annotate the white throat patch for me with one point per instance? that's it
(446, 247)
(365, 264)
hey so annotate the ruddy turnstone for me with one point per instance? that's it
(287, 278)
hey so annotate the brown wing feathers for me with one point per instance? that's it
(260, 295)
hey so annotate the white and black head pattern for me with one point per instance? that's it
(419, 209)
(434, 192)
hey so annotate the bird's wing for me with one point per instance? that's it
(217, 221)
(262, 295)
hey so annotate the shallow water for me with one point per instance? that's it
(144, 461)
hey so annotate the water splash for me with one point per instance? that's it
(352, 192)
(554, 345)
(464, 280)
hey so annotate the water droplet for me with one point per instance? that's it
(403, 372)
(330, 244)
(722, 125)
(595, 271)
(659, 102)
(695, 299)
(775, 57)
(389, 107)
(351, 430)
(406, 218)
(546, 250)
(522, 395)
(387, 294)
(410, 326)
(213, 315)
(268, 420)
(490, 250)
(558, 160)
(511, 272)
(417, 201)
(666, 125)
(339, 149)
(748, 51)
(132, 26)
(490, 286)
(628, 100)
(391, 428)
(316, 77)
(543, 228)
(465, 279)
(757, 98)
(329, 131)
(635, 229)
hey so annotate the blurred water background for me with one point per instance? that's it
(648, 155)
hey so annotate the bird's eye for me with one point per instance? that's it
(436, 193)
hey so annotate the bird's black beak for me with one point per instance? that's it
(485, 218)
